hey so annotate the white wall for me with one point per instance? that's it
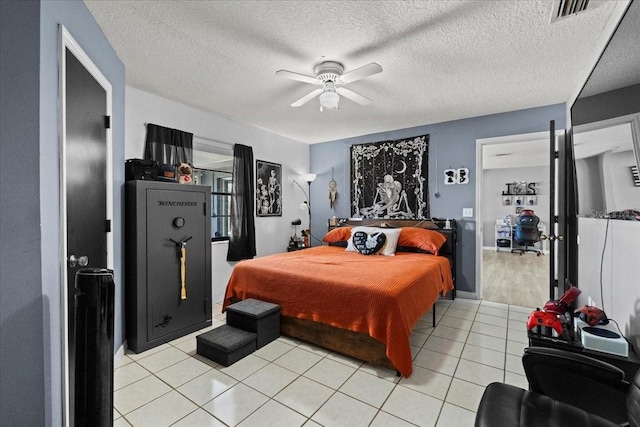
(620, 271)
(494, 183)
(272, 233)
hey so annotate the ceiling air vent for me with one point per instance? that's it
(565, 8)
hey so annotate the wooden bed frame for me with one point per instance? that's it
(357, 344)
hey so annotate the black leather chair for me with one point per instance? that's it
(526, 232)
(565, 389)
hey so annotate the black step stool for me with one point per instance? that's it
(226, 345)
(257, 316)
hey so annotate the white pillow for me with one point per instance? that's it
(391, 234)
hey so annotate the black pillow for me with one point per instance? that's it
(369, 244)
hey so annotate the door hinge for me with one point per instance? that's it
(107, 122)
(204, 205)
(556, 154)
(556, 219)
(107, 226)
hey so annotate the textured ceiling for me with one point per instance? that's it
(442, 60)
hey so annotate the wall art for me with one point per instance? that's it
(268, 189)
(389, 179)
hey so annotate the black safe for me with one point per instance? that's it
(167, 261)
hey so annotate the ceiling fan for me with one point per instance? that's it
(329, 74)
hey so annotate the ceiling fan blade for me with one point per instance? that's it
(299, 77)
(308, 97)
(353, 96)
(361, 73)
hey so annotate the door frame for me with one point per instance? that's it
(66, 41)
(480, 143)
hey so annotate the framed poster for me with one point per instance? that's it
(268, 188)
(389, 179)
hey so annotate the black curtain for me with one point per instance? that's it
(242, 238)
(168, 146)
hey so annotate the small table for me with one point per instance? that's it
(569, 341)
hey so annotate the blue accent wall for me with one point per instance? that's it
(31, 260)
(452, 145)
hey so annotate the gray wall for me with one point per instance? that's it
(30, 261)
(493, 184)
(452, 144)
(22, 346)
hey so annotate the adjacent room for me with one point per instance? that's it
(319, 213)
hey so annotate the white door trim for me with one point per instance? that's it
(66, 41)
(480, 143)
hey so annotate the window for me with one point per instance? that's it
(216, 170)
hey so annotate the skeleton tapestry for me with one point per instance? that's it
(389, 179)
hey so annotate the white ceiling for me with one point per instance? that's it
(442, 60)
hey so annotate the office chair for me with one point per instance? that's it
(526, 232)
(565, 389)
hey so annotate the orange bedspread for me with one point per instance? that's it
(378, 295)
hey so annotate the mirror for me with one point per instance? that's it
(606, 127)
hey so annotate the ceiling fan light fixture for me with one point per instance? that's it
(329, 99)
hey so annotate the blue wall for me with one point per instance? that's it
(452, 144)
(30, 307)
(22, 397)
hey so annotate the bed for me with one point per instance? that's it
(361, 306)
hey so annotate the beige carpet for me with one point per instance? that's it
(515, 279)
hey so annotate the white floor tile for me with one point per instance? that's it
(163, 411)
(330, 373)
(304, 395)
(413, 406)
(128, 374)
(342, 410)
(162, 359)
(368, 388)
(484, 355)
(183, 372)
(273, 350)
(455, 416)
(491, 330)
(436, 361)
(455, 322)
(477, 373)
(452, 334)
(491, 320)
(443, 345)
(475, 343)
(139, 393)
(199, 418)
(494, 311)
(465, 394)
(270, 379)
(387, 420)
(298, 360)
(428, 382)
(486, 341)
(461, 314)
(235, 404)
(272, 414)
(244, 367)
(207, 386)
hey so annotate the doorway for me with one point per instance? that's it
(513, 175)
(86, 190)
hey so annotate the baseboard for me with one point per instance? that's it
(466, 294)
(120, 353)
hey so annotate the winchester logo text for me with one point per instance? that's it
(171, 203)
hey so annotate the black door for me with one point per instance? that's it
(558, 209)
(86, 184)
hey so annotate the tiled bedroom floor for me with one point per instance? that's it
(291, 383)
